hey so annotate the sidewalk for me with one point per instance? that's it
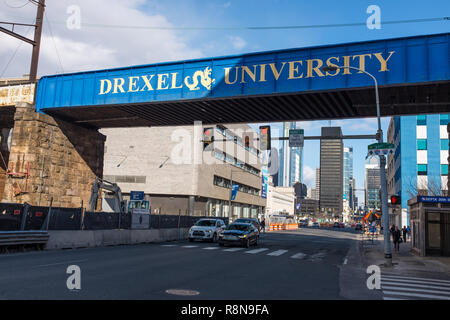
(404, 261)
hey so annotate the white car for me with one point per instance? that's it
(206, 229)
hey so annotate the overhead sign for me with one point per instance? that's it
(296, 138)
(136, 195)
(394, 61)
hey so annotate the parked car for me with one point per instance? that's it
(358, 226)
(315, 224)
(336, 225)
(253, 221)
(244, 234)
(206, 229)
(303, 223)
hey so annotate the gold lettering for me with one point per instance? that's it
(102, 86)
(262, 68)
(316, 69)
(246, 70)
(132, 85)
(382, 61)
(347, 64)
(330, 64)
(362, 60)
(293, 69)
(174, 81)
(147, 83)
(118, 84)
(162, 81)
(275, 72)
(227, 75)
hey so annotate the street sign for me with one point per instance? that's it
(136, 195)
(296, 138)
(378, 149)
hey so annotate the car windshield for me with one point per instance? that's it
(245, 221)
(240, 227)
(206, 223)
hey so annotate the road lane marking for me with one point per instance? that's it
(277, 253)
(411, 279)
(233, 249)
(414, 281)
(256, 250)
(169, 245)
(190, 247)
(345, 261)
(299, 255)
(58, 263)
(415, 290)
(409, 294)
(393, 283)
(211, 248)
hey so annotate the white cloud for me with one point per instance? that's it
(237, 42)
(309, 176)
(94, 47)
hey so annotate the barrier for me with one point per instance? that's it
(12, 238)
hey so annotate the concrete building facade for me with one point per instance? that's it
(179, 177)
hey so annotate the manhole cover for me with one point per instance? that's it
(182, 292)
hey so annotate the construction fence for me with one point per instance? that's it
(14, 216)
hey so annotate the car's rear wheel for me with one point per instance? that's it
(247, 243)
(191, 240)
(214, 239)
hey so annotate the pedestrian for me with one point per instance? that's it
(396, 235)
(404, 231)
(263, 225)
(408, 232)
(392, 229)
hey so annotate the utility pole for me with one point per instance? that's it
(36, 43)
(37, 40)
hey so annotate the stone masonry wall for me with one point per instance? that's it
(63, 160)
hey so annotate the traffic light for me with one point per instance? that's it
(264, 138)
(208, 139)
(396, 200)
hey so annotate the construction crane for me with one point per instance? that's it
(110, 186)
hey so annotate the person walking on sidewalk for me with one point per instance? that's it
(408, 232)
(263, 225)
(404, 232)
(396, 235)
(392, 229)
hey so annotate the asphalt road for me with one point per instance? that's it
(300, 264)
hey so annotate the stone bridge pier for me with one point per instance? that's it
(47, 158)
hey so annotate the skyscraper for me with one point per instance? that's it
(372, 183)
(331, 171)
(290, 160)
(419, 164)
(348, 175)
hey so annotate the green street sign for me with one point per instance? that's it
(381, 146)
(296, 137)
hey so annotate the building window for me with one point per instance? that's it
(444, 144)
(421, 144)
(444, 119)
(444, 169)
(422, 120)
(422, 169)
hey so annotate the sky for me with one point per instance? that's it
(81, 35)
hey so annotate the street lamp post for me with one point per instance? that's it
(384, 204)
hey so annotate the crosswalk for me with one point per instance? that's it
(396, 287)
(314, 257)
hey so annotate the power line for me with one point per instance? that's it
(316, 26)
(17, 7)
(54, 43)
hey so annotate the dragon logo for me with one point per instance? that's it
(205, 79)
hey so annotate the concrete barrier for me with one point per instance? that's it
(67, 239)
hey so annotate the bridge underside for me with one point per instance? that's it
(322, 105)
